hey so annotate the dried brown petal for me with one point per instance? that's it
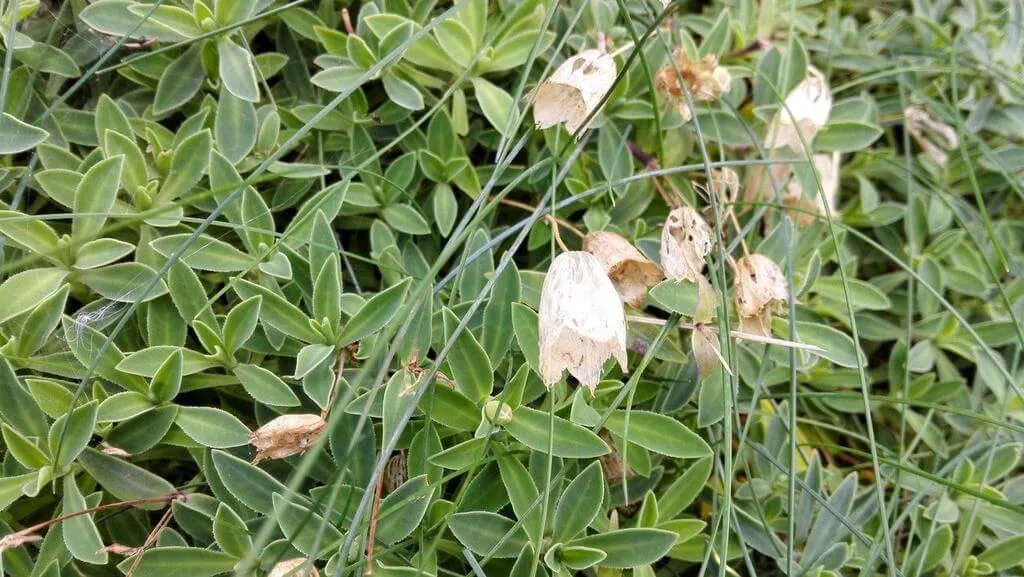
(706, 351)
(705, 79)
(612, 465)
(293, 568)
(286, 435)
(804, 113)
(574, 90)
(631, 272)
(581, 322)
(707, 301)
(113, 451)
(760, 288)
(685, 243)
(932, 135)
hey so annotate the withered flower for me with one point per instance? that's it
(293, 568)
(932, 135)
(804, 113)
(725, 180)
(705, 79)
(706, 350)
(811, 205)
(685, 243)
(574, 90)
(631, 272)
(759, 289)
(581, 320)
(286, 435)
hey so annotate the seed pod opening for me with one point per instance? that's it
(286, 435)
(805, 112)
(631, 272)
(573, 91)
(685, 243)
(581, 322)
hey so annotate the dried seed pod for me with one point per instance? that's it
(631, 272)
(574, 90)
(396, 472)
(705, 79)
(113, 451)
(612, 465)
(932, 135)
(581, 320)
(725, 180)
(685, 243)
(293, 568)
(759, 288)
(706, 350)
(804, 113)
(286, 435)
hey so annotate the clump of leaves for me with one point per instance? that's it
(298, 288)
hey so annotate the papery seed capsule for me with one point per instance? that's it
(286, 435)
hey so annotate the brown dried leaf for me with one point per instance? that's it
(631, 272)
(581, 322)
(685, 243)
(286, 435)
(573, 91)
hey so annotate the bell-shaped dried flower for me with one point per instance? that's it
(581, 320)
(685, 243)
(706, 80)
(631, 272)
(759, 289)
(806, 207)
(805, 112)
(298, 567)
(932, 135)
(574, 90)
(286, 435)
(706, 350)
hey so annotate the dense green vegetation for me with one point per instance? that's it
(491, 288)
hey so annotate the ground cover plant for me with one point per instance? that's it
(491, 288)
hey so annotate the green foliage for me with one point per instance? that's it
(271, 276)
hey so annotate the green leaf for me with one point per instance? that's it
(265, 386)
(461, 456)
(685, 488)
(252, 486)
(101, 252)
(658, 433)
(19, 136)
(375, 314)
(123, 406)
(189, 161)
(837, 346)
(180, 562)
(1005, 554)
(23, 449)
(310, 357)
(167, 381)
(522, 493)
(204, 253)
(70, 434)
(498, 330)
(456, 41)
(524, 323)
(212, 427)
(677, 296)
(530, 427)
(471, 368)
(278, 312)
(305, 529)
(846, 136)
(496, 105)
(405, 218)
(80, 534)
(230, 531)
(481, 532)
(125, 282)
(402, 511)
(863, 295)
(579, 504)
(402, 92)
(629, 547)
(180, 81)
(23, 291)
(237, 71)
(18, 408)
(29, 232)
(227, 12)
(94, 198)
(241, 323)
(122, 479)
(235, 129)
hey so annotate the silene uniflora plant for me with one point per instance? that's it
(525, 288)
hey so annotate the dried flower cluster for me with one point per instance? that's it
(705, 79)
(581, 320)
(286, 435)
(759, 290)
(933, 136)
(630, 271)
(573, 91)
